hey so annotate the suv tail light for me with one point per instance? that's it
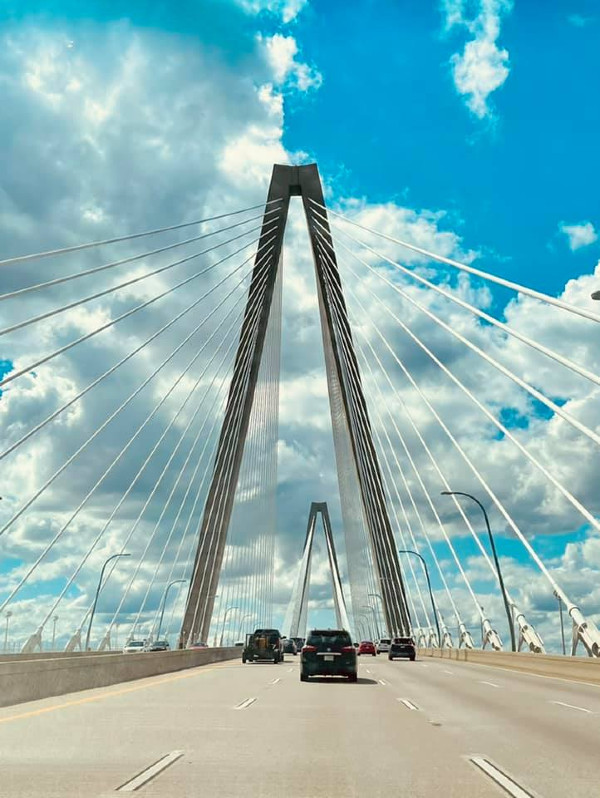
(348, 649)
(308, 649)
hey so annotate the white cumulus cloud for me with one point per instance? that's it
(288, 10)
(280, 52)
(483, 66)
(579, 235)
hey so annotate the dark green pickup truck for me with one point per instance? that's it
(263, 645)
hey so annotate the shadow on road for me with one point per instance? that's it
(337, 680)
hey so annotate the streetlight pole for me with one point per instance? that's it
(228, 610)
(8, 616)
(112, 557)
(54, 620)
(435, 614)
(367, 621)
(164, 602)
(248, 615)
(509, 614)
(372, 608)
(562, 623)
(376, 595)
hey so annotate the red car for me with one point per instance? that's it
(367, 647)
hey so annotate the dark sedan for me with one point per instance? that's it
(289, 647)
(328, 652)
(159, 645)
(402, 648)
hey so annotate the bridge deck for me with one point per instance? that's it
(315, 739)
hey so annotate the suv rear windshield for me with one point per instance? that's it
(329, 637)
(403, 641)
(385, 640)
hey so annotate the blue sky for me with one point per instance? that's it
(389, 122)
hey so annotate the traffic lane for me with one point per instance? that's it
(91, 741)
(321, 738)
(545, 746)
(586, 694)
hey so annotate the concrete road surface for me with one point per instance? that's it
(422, 729)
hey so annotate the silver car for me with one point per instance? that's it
(134, 647)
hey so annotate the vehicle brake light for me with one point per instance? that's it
(308, 649)
(347, 649)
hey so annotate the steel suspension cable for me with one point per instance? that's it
(237, 422)
(353, 380)
(438, 470)
(506, 328)
(585, 430)
(471, 270)
(572, 608)
(108, 372)
(532, 459)
(151, 538)
(68, 278)
(130, 398)
(30, 367)
(410, 494)
(182, 436)
(105, 473)
(80, 247)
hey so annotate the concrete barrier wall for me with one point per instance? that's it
(30, 679)
(54, 654)
(578, 669)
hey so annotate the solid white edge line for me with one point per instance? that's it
(502, 779)
(245, 703)
(572, 706)
(408, 704)
(491, 684)
(146, 775)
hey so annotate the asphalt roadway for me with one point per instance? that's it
(429, 728)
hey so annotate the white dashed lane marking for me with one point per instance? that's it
(150, 773)
(245, 704)
(508, 784)
(571, 706)
(408, 704)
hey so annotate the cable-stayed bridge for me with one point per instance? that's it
(140, 443)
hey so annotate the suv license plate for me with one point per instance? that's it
(328, 658)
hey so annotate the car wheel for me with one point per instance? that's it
(358, 653)
(303, 677)
(374, 654)
(412, 659)
(352, 677)
(244, 659)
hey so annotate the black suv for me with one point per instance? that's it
(402, 648)
(328, 652)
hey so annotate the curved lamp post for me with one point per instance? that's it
(248, 615)
(365, 616)
(435, 613)
(379, 596)
(113, 557)
(228, 610)
(372, 608)
(164, 603)
(511, 625)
